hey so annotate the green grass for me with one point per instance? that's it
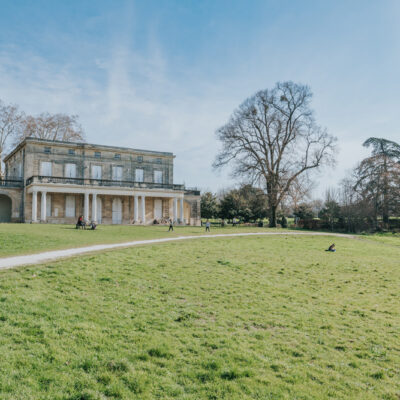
(16, 239)
(229, 318)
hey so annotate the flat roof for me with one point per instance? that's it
(86, 145)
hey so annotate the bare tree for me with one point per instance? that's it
(272, 139)
(10, 123)
(52, 127)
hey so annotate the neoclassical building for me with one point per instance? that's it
(55, 182)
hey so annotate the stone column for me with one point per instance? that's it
(143, 210)
(86, 208)
(181, 210)
(136, 209)
(34, 206)
(94, 208)
(175, 209)
(43, 207)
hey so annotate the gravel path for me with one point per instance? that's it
(16, 261)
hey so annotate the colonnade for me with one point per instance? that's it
(136, 215)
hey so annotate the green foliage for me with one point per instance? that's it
(246, 203)
(304, 211)
(231, 318)
(209, 205)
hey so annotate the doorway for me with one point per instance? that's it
(5, 208)
(117, 211)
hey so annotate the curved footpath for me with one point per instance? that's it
(16, 261)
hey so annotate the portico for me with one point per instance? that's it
(126, 205)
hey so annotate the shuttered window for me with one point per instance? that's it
(158, 176)
(70, 206)
(45, 168)
(139, 175)
(117, 173)
(96, 171)
(70, 170)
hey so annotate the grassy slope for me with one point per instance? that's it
(241, 318)
(28, 239)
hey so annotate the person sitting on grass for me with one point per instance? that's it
(331, 247)
(93, 225)
(81, 223)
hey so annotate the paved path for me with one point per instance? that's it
(16, 261)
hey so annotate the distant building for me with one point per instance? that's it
(55, 182)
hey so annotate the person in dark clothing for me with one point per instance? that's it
(171, 225)
(80, 223)
(331, 247)
(208, 226)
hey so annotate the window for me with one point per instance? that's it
(117, 173)
(71, 152)
(96, 171)
(97, 154)
(47, 149)
(117, 156)
(70, 206)
(158, 160)
(70, 170)
(139, 175)
(140, 158)
(158, 176)
(19, 170)
(45, 168)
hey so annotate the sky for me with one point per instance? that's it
(165, 75)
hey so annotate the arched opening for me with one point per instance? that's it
(5, 208)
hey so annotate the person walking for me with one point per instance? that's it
(208, 226)
(171, 225)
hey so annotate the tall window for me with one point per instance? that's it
(70, 170)
(19, 170)
(139, 175)
(70, 206)
(96, 171)
(45, 168)
(117, 173)
(158, 176)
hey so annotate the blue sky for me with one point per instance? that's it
(164, 75)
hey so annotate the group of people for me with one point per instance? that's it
(81, 224)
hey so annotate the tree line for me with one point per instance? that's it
(367, 199)
(16, 125)
(273, 142)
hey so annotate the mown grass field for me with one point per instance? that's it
(18, 239)
(227, 318)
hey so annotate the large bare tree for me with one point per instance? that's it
(52, 127)
(10, 125)
(272, 139)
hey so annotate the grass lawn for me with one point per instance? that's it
(231, 318)
(18, 239)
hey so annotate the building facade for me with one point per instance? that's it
(55, 182)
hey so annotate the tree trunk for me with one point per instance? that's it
(272, 216)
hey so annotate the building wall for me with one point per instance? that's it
(85, 158)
